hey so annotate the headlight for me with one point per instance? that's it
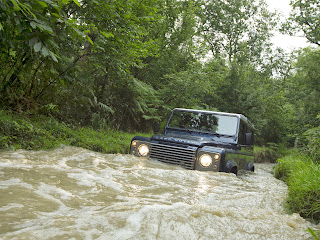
(143, 150)
(205, 160)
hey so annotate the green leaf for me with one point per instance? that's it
(43, 26)
(56, 15)
(43, 4)
(107, 34)
(313, 234)
(45, 52)
(53, 56)
(89, 39)
(76, 2)
(37, 46)
(33, 41)
(16, 4)
(33, 24)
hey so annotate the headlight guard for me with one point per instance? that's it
(140, 148)
(208, 160)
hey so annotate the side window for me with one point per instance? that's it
(242, 131)
(244, 128)
(250, 130)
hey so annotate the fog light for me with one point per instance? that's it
(205, 160)
(143, 150)
(134, 143)
(216, 157)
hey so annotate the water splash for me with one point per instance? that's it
(72, 193)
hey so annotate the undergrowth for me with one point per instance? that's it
(41, 132)
(269, 153)
(302, 175)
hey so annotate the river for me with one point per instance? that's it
(73, 193)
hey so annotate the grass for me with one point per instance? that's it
(266, 154)
(41, 132)
(302, 175)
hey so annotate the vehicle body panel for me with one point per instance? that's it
(201, 140)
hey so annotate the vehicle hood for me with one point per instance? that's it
(191, 139)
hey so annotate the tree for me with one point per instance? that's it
(305, 16)
(29, 33)
(236, 29)
(304, 91)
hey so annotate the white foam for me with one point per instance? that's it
(10, 206)
(50, 190)
(80, 194)
(92, 179)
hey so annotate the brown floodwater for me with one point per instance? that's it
(73, 193)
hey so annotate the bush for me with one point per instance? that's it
(41, 132)
(312, 148)
(265, 154)
(302, 175)
(269, 153)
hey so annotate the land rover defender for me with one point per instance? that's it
(201, 140)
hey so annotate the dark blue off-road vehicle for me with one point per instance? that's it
(201, 140)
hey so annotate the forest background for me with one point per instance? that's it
(125, 64)
(82, 70)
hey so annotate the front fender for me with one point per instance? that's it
(211, 151)
(136, 142)
(231, 166)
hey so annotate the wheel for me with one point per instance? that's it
(234, 170)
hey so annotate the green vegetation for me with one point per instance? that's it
(302, 175)
(125, 64)
(17, 131)
(315, 234)
(269, 153)
(301, 171)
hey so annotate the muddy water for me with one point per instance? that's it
(72, 193)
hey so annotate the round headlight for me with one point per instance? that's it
(143, 150)
(205, 160)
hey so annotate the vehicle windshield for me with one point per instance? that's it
(204, 122)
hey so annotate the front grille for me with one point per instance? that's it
(173, 154)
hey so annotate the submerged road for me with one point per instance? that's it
(73, 193)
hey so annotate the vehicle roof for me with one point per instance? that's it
(242, 117)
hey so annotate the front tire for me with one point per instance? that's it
(234, 170)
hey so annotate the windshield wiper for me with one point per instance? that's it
(216, 134)
(188, 129)
(212, 133)
(209, 132)
(181, 128)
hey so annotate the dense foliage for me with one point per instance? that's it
(124, 64)
(17, 131)
(302, 176)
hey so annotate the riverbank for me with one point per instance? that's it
(302, 175)
(18, 131)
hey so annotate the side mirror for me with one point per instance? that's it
(249, 138)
